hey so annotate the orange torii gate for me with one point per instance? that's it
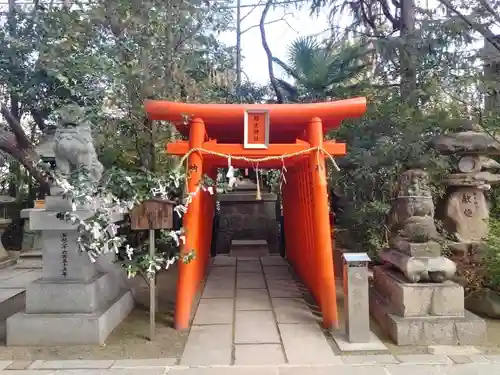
(271, 132)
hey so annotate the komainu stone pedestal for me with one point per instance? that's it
(423, 313)
(74, 302)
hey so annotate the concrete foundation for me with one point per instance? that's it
(423, 313)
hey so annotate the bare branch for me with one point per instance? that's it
(265, 45)
(269, 23)
(251, 10)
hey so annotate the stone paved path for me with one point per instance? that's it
(355, 365)
(14, 281)
(253, 313)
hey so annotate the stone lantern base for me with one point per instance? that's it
(423, 313)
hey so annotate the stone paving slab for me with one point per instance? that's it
(252, 299)
(22, 280)
(421, 370)
(306, 344)
(255, 327)
(219, 288)
(471, 369)
(9, 273)
(249, 266)
(27, 372)
(273, 260)
(260, 370)
(4, 364)
(373, 345)
(144, 363)
(225, 273)
(367, 368)
(453, 350)
(283, 289)
(260, 354)
(250, 281)
(424, 359)
(332, 370)
(208, 345)
(71, 364)
(382, 359)
(115, 371)
(292, 310)
(224, 261)
(214, 311)
(277, 273)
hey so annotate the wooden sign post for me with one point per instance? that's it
(256, 132)
(151, 215)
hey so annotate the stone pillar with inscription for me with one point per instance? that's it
(75, 301)
(466, 211)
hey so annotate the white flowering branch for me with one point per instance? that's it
(119, 193)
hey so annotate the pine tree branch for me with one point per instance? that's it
(484, 31)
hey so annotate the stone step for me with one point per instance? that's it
(248, 243)
(30, 260)
(249, 248)
(11, 302)
(7, 263)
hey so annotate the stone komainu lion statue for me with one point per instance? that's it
(73, 144)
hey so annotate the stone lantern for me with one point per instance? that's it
(466, 211)
(45, 150)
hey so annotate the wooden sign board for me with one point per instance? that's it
(152, 214)
(256, 132)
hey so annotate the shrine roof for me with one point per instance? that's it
(225, 122)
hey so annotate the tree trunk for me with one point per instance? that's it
(408, 52)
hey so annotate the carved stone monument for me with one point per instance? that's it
(412, 297)
(413, 247)
(243, 217)
(466, 211)
(76, 301)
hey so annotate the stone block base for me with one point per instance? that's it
(427, 330)
(25, 329)
(46, 296)
(418, 299)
